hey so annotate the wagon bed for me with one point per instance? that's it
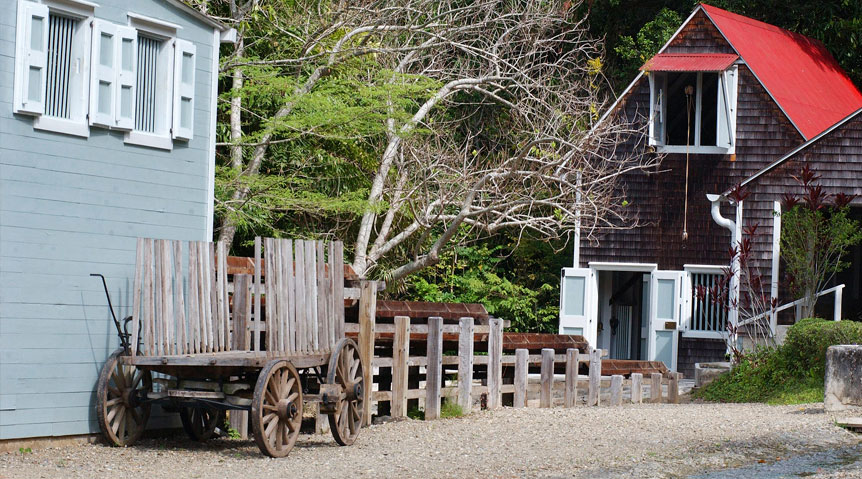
(217, 348)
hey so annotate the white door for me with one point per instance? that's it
(578, 303)
(665, 307)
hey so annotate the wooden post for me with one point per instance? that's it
(434, 369)
(321, 421)
(594, 392)
(240, 307)
(495, 363)
(521, 369)
(367, 314)
(572, 358)
(546, 398)
(673, 388)
(637, 388)
(465, 365)
(655, 388)
(258, 291)
(400, 352)
(616, 390)
(239, 422)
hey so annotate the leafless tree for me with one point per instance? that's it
(507, 139)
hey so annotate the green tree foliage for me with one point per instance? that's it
(636, 50)
(522, 287)
(816, 232)
(632, 33)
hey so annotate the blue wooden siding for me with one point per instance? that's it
(71, 206)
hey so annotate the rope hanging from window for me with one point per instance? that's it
(689, 92)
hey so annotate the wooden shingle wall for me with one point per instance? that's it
(656, 199)
(72, 206)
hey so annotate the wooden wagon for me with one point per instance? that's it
(265, 343)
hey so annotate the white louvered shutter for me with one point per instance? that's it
(103, 74)
(184, 90)
(127, 60)
(31, 58)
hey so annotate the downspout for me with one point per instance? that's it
(735, 228)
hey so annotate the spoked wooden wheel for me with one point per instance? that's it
(200, 422)
(346, 370)
(121, 413)
(276, 409)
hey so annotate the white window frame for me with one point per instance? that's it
(82, 12)
(725, 109)
(167, 33)
(690, 269)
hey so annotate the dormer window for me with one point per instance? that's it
(693, 102)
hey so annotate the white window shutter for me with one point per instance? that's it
(657, 107)
(31, 58)
(184, 90)
(727, 86)
(103, 74)
(126, 68)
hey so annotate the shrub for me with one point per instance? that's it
(807, 341)
(790, 374)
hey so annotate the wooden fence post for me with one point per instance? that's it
(367, 315)
(465, 365)
(572, 358)
(546, 399)
(521, 369)
(616, 390)
(655, 388)
(594, 393)
(495, 363)
(673, 388)
(321, 421)
(637, 388)
(434, 369)
(400, 352)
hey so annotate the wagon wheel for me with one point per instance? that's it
(276, 409)
(121, 414)
(346, 370)
(200, 422)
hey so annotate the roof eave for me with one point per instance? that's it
(200, 16)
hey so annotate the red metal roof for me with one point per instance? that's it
(690, 62)
(799, 73)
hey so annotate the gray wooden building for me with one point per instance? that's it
(107, 133)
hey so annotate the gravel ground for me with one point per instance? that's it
(646, 440)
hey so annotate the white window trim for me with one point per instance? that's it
(84, 11)
(62, 125)
(153, 25)
(165, 31)
(658, 83)
(74, 7)
(686, 310)
(152, 140)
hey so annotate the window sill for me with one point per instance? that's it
(162, 142)
(62, 125)
(710, 150)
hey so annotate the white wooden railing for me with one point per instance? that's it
(836, 311)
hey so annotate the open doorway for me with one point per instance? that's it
(623, 313)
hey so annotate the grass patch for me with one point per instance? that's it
(789, 374)
(451, 409)
(447, 409)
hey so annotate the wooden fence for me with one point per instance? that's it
(473, 368)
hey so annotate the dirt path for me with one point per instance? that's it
(630, 441)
